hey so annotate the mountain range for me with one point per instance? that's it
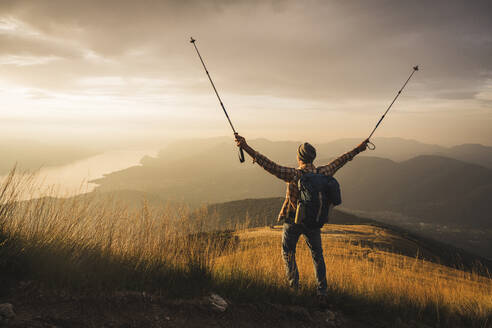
(428, 188)
(396, 149)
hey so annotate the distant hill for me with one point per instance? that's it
(473, 153)
(212, 175)
(264, 211)
(430, 188)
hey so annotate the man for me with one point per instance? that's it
(306, 154)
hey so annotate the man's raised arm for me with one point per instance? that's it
(337, 163)
(287, 174)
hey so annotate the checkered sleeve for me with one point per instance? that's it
(287, 174)
(337, 163)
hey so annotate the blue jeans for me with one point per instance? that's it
(290, 237)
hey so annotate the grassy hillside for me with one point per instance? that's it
(362, 271)
(83, 247)
(252, 213)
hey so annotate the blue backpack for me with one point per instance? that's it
(317, 194)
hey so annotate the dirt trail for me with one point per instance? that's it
(132, 309)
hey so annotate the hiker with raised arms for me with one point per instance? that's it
(310, 193)
(293, 226)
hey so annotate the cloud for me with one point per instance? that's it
(26, 60)
(264, 56)
(22, 45)
(318, 49)
(485, 93)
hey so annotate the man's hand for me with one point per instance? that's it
(240, 141)
(363, 145)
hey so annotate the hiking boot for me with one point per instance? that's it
(294, 288)
(295, 291)
(323, 301)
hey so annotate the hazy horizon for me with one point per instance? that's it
(124, 72)
(143, 143)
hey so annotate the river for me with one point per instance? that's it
(71, 179)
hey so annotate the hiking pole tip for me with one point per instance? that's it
(415, 68)
(192, 40)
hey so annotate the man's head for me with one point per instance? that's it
(306, 153)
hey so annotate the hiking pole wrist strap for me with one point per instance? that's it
(371, 146)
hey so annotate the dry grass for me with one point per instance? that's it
(86, 242)
(83, 242)
(375, 276)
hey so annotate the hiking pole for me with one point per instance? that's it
(241, 153)
(373, 146)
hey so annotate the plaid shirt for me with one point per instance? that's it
(291, 175)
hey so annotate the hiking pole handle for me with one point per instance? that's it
(240, 151)
(241, 155)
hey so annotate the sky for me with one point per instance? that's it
(117, 71)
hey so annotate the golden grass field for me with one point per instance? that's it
(91, 242)
(366, 271)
